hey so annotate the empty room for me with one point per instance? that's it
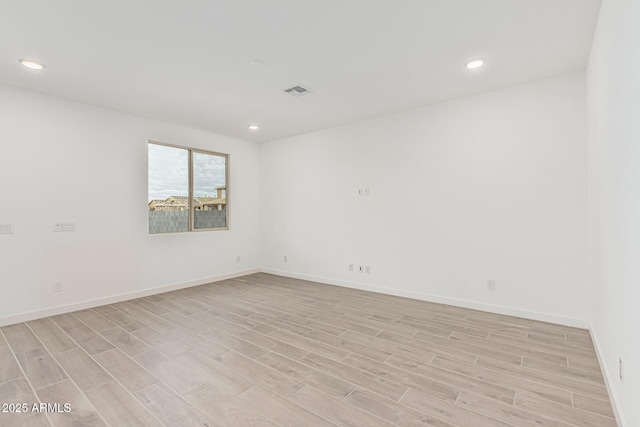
(320, 213)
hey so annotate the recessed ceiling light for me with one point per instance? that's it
(253, 127)
(256, 63)
(475, 63)
(30, 64)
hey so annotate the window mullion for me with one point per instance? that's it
(191, 202)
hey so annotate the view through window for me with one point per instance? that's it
(187, 189)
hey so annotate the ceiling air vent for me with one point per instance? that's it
(297, 91)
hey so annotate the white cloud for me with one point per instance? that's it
(169, 172)
(208, 173)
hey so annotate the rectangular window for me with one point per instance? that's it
(188, 189)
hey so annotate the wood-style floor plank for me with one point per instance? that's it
(560, 412)
(49, 334)
(511, 349)
(272, 379)
(171, 409)
(447, 411)
(506, 413)
(563, 370)
(271, 344)
(119, 318)
(156, 322)
(438, 350)
(484, 388)
(126, 371)
(40, 368)
(118, 408)
(17, 391)
(20, 392)
(176, 376)
(163, 342)
(93, 320)
(279, 410)
(67, 322)
(330, 385)
(89, 340)
(596, 406)
(568, 384)
(335, 411)
(227, 382)
(505, 379)
(186, 322)
(9, 368)
(34, 419)
(392, 411)
(479, 350)
(241, 346)
(350, 346)
(81, 411)
(124, 341)
(82, 369)
(390, 347)
(310, 345)
(313, 324)
(20, 338)
(383, 386)
(269, 351)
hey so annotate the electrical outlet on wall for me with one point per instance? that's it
(6, 228)
(350, 267)
(364, 192)
(491, 285)
(285, 259)
(57, 286)
(367, 269)
(238, 259)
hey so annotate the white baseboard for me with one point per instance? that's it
(510, 311)
(608, 378)
(498, 309)
(39, 314)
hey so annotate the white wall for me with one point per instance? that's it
(488, 187)
(66, 161)
(614, 198)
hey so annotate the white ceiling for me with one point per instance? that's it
(188, 61)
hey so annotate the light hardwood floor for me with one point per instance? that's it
(263, 350)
